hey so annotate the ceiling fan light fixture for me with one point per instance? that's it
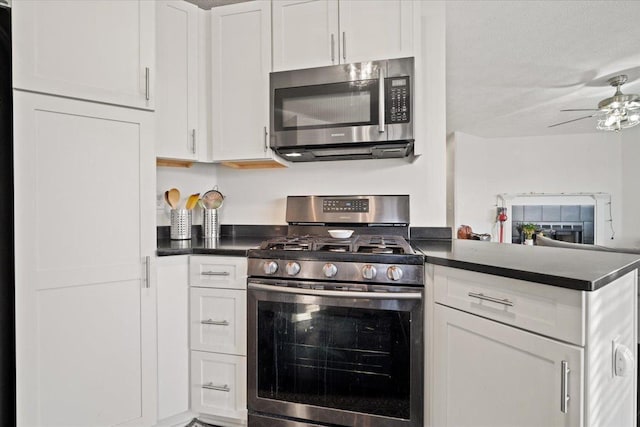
(620, 111)
(618, 120)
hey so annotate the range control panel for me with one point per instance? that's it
(398, 102)
(345, 205)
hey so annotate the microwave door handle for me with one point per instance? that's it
(381, 102)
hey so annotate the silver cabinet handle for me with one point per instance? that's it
(211, 386)
(215, 273)
(491, 299)
(333, 48)
(344, 46)
(266, 144)
(193, 141)
(381, 102)
(146, 83)
(147, 272)
(215, 322)
(564, 386)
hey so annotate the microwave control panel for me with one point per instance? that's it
(398, 102)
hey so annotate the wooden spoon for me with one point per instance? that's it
(174, 198)
(166, 198)
(192, 201)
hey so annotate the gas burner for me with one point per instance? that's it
(339, 249)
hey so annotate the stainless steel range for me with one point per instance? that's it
(335, 331)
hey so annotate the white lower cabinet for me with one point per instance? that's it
(506, 352)
(218, 331)
(490, 374)
(218, 385)
(173, 335)
(219, 320)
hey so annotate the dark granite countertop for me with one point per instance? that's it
(569, 268)
(225, 245)
(235, 240)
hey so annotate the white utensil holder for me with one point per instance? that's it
(210, 224)
(180, 224)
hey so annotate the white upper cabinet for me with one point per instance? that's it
(241, 62)
(178, 134)
(305, 34)
(100, 50)
(311, 33)
(373, 29)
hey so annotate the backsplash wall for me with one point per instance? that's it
(199, 178)
(259, 196)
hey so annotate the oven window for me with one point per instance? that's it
(326, 106)
(349, 358)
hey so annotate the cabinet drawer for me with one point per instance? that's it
(218, 385)
(218, 320)
(547, 310)
(218, 272)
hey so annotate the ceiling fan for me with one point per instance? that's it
(617, 112)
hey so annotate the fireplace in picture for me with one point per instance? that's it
(569, 223)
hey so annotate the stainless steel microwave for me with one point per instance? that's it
(350, 111)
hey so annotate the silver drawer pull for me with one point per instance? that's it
(211, 386)
(215, 322)
(491, 299)
(215, 273)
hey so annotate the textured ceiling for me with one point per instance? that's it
(512, 65)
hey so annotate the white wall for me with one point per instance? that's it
(484, 168)
(199, 178)
(630, 187)
(258, 196)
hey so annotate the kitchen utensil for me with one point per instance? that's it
(174, 198)
(192, 201)
(212, 199)
(166, 198)
(340, 234)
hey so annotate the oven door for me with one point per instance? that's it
(320, 353)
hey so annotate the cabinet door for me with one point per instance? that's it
(372, 29)
(85, 313)
(305, 34)
(101, 50)
(489, 374)
(173, 335)
(219, 320)
(177, 93)
(241, 62)
(219, 385)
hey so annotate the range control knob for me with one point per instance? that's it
(270, 267)
(394, 273)
(329, 269)
(292, 268)
(369, 271)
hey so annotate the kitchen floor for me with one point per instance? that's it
(197, 423)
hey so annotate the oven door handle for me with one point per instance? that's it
(325, 293)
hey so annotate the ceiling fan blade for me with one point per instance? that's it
(582, 109)
(569, 121)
